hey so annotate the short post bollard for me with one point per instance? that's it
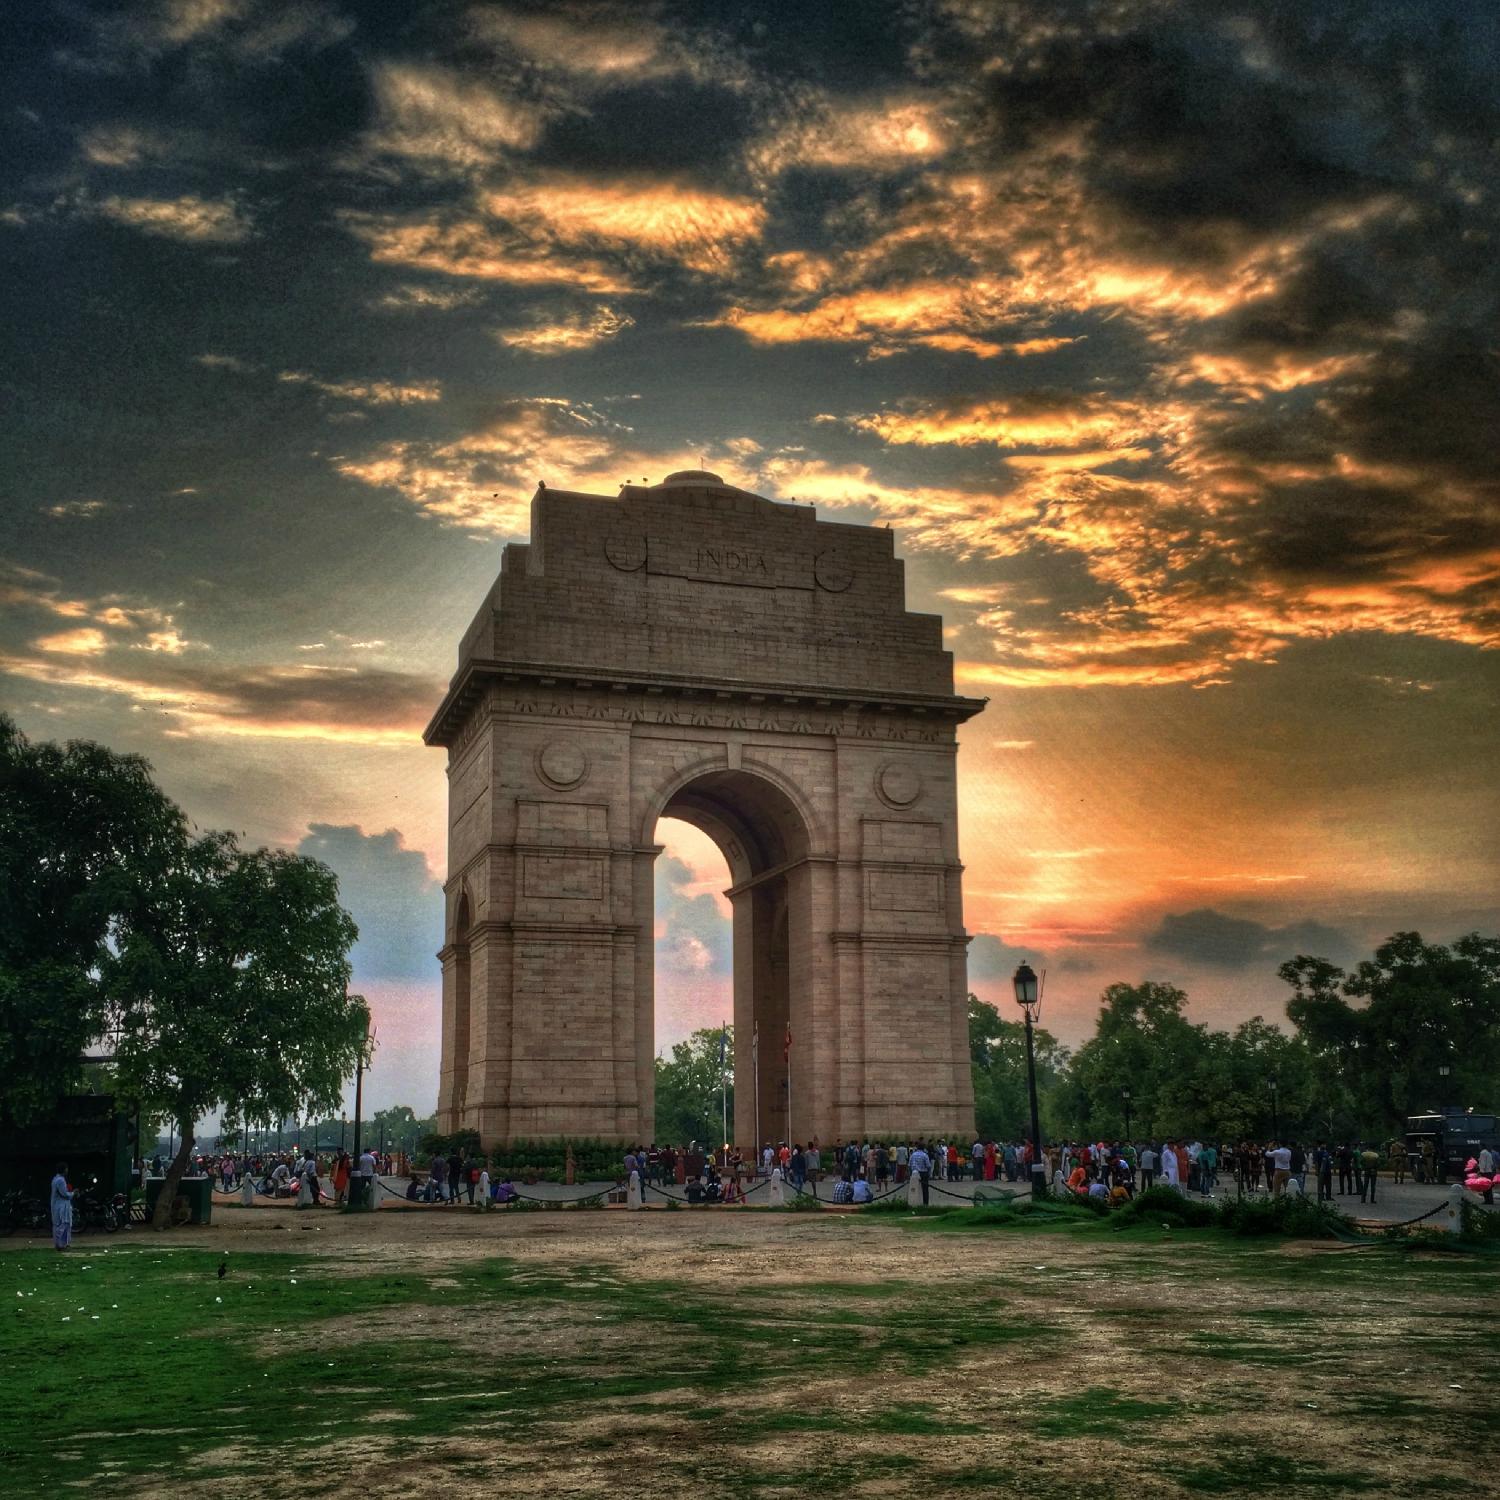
(1453, 1219)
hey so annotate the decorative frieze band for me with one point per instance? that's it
(851, 724)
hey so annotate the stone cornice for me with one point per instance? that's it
(474, 678)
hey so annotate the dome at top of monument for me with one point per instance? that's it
(689, 476)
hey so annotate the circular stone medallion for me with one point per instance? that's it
(561, 764)
(898, 785)
(832, 572)
(627, 553)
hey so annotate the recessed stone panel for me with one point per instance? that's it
(905, 890)
(561, 823)
(906, 842)
(562, 877)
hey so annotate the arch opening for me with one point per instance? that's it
(765, 841)
(693, 970)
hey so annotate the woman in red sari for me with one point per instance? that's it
(989, 1161)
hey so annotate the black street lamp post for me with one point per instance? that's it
(1125, 1095)
(1275, 1116)
(1028, 997)
(366, 1052)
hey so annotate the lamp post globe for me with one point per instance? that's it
(1028, 997)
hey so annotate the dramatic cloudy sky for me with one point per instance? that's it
(1164, 335)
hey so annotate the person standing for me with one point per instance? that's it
(62, 1208)
(1169, 1173)
(921, 1168)
(1299, 1167)
(1148, 1167)
(1370, 1161)
(455, 1175)
(1345, 1159)
(1281, 1173)
(341, 1179)
(976, 1159)
(1323, 1161)
(367, 1177)
(1208, 1163)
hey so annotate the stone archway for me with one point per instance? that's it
(693, 650)
(769, 848)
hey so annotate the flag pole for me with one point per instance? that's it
(789, 1087)
(755, 1069)
(723, 1096)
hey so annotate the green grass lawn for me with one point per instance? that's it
(1003, 1362)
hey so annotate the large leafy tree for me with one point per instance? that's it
(1384, 1030)
(1142, 1041)
(688, 1089)
(401, 1127)
(227, 985)
(82, 830)
(997, 1054)
(1253, 1083)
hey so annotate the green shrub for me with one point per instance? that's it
(1479, 1227)
(1167, 1205)
(1291, 1215)
(465, 1142)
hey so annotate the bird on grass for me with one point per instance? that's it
(223, 1268)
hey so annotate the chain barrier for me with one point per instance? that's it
(937, 1187)
(1406, 1223)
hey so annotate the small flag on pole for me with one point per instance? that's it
(723, 1043)
(786, 1050)
(755, 1044)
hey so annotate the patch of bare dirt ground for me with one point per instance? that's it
(743, 1353)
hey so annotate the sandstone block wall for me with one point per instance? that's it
(693, 650)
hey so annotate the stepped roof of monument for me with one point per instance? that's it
(687, 477)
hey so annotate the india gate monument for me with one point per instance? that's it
(691, 650)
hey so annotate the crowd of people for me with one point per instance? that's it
(860, 1170)
(863, 1170)
(308, 1177)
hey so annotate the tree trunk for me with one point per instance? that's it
(162, 1217)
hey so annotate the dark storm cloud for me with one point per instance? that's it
(1205, 118)
(391, 894)
(1211, 937)
(991, 957)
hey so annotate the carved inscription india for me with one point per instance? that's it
(731, 560)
